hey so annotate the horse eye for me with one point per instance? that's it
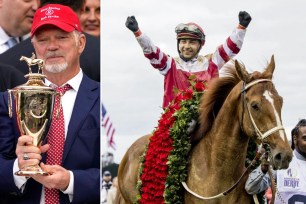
(255, 106)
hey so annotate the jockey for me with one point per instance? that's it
(190, 40)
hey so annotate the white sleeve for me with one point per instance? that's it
(146, 44)
(158, 59)
(20, 181)
(257, 181)
(230, 48)
(69, 189)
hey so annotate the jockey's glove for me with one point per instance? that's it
(244, 18)
(132, 24)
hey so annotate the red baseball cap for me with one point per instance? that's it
(58, 15)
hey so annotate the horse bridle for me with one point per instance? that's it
(260, 136)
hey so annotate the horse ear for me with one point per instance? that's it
(268, 73)
(241, 72)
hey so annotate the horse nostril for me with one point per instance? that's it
(278, 157)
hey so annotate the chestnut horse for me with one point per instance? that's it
(235, 108)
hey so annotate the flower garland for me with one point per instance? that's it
(163, 164)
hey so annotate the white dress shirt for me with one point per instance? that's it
(3, 40)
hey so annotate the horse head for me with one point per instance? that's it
(260, 113)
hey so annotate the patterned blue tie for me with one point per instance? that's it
(11, 42)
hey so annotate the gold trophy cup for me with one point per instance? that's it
(33, 102)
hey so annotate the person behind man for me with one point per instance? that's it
(106, 185)
(90, 58)
(16, 17)
(10, 77)
(72, 152)
(90, 18)
(190, 40)
(291, 182)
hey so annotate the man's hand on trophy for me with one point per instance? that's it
(59, 177)
(27, 153)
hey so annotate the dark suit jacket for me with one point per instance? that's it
(90, 58)
(81, 152)
(10, 77)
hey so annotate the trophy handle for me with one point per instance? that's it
(10, 103)
(37, 137)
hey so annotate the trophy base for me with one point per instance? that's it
(30, 171)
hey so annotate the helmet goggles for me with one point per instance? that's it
(190, 30)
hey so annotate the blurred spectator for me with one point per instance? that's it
(108, 163)
(106, 185)
(107, 159)
(90, 18)
(16, 17)
(90, 58)
(111, 195)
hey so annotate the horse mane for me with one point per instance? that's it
(213, 99)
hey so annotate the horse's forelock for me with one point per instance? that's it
(256, 75)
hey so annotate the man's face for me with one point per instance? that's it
(59, 49)
(189, 48)
(17, 16)
(300, 141)
(107, 178)
(90, 18)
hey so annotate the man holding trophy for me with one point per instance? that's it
(69, 156)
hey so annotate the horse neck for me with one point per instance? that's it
(229, 145)
(223, 149)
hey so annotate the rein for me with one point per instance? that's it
(260, 136)
(273, 186)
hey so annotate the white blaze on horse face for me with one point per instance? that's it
(268, 95)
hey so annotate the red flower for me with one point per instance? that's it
(179, 97)
(175, 107)
(188, 94)
(199, 86)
